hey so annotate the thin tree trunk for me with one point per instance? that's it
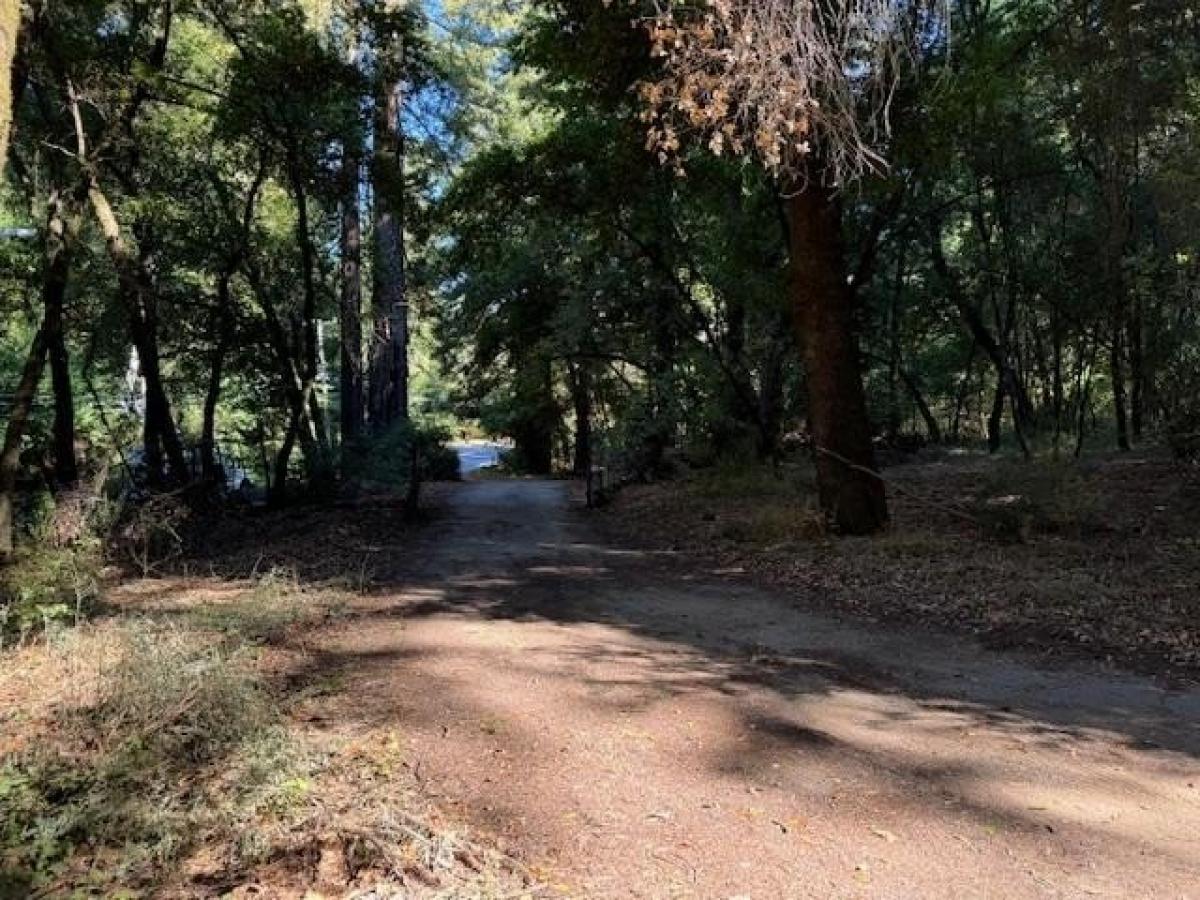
(297, 389)
(351, 306)
(996, 416)
(279, 485)
(60, 234)
(222, 338)
(18, 421)
(894, 375)
(581, 396)
(66, 467)
(138, 292)
(1138, 376)
(310, 352)
(1085, 392)
(981, 336)
(960, 400)
(851, 494)
(1058, 389)
(1117, 373)
(918, 396)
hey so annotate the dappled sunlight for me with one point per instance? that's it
(591, 707)
(570, 571)
(741, 747)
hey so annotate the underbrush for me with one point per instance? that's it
(1018, 499)
(264, 613)
(388, 459)
(174, 739)
(45, 586)
(1096, 558)
(56, 574)
(759, 504)
(163, 755)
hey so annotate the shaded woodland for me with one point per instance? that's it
(892, 306)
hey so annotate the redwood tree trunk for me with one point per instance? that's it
(852, 496)
(389, 351)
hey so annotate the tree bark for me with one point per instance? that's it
(222, 329)
(996, 417)
(389, 351)
(1117, 373)
(1139, 378)
(310, 352)
(60, 235)
(851, 493)
(351, 306)
(18, 421)
(297, 389)
(160, 434)
(581, 396)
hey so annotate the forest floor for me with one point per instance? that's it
(505, 701)
(1097, 560)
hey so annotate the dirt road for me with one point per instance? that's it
(631, 727)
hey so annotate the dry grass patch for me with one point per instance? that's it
(163, 752)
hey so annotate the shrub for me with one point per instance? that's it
(387, 458)
(44, 585)
(150, 533)
(1017, 499)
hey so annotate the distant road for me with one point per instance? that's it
(476, 455)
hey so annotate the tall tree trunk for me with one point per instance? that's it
(981, 336)
(309, 338)
(918, 397)
(581, 397)
(137, 291)
(534, 429)
(222, 335)
(770, 403)
(851, 494)
(297, 389)
(1058, 389)
(894, 375)
(60, 235)
(351, 363)
(389, 364)
(66, 467)
(10, 26)
(278, 488)
(1117, 373)
(960, 399)
(1138, 373)
(996, 416)
(18, 421)
(306, 408)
